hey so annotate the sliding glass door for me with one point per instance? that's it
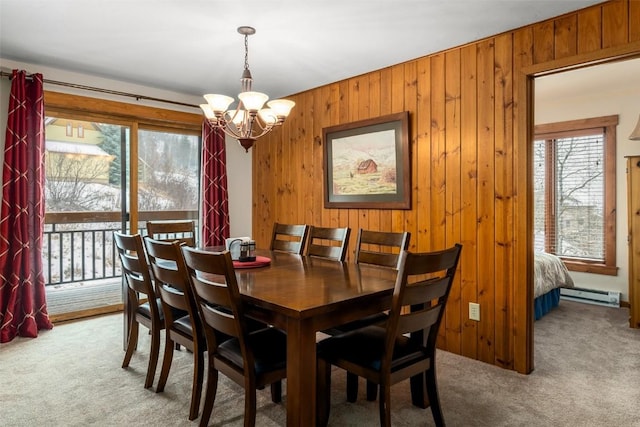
(85, 202)
(168, 182)
(103, 177)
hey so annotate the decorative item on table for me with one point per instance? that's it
(233, 245)
(247, 251)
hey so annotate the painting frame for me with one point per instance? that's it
(353, 179)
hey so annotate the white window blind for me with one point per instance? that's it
(569, 195)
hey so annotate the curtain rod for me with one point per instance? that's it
(107, 91)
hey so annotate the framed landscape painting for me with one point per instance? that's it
(366, 164)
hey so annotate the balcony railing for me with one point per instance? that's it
(79, 246)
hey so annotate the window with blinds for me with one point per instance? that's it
(574, 192)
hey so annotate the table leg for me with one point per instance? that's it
(419, 396)
(301, 374)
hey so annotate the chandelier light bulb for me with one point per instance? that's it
(253, 101)
(268, 116)
(281, 107)
(208, 111)
(218, 103)
(236, 117)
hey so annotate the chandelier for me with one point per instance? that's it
(249, 121)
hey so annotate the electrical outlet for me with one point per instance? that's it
(474, 311)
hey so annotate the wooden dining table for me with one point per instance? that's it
(304, 295)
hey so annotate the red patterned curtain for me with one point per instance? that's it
(215, 199)
(23, 309)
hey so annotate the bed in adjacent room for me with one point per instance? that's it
(550, 274)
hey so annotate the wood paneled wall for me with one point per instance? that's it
(470, 118)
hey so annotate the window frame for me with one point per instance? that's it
(575, 128)
(135, 116)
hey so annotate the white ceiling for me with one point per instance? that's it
(606, 79)
(192, 47)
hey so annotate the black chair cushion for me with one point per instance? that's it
(269, 347)
(183, 325)
(365, 347)
(145, 310)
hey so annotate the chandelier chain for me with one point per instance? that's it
(246, 52)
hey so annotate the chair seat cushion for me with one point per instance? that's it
(269, 347)
(183, 325)
(365, 347)
(145, 310)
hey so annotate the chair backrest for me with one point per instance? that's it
(419, 297)
(218, 299)
(380, 247)
(289, 238)
(170, 274)
(182, 231)
(326, 242)
(135, 268)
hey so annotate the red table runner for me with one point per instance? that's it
(261, 261)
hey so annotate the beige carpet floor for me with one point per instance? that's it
(587, 374)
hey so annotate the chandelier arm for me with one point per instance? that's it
(263, 132)
(264, 126)
(238, 130)
(232, 117)
(258, 124)
(249, 126)
(231, 131)
(224, 125)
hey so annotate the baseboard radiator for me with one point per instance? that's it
(591, 296)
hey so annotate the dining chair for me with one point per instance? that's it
(183, 231)
(405, 347)
(143, 306)
(327, 242)
(251, 358)
(380, 248)
(173, 287)
(289, 238)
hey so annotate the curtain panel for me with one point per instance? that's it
(23, 310)
(215, 198)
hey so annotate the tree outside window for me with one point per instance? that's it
(574, 192)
